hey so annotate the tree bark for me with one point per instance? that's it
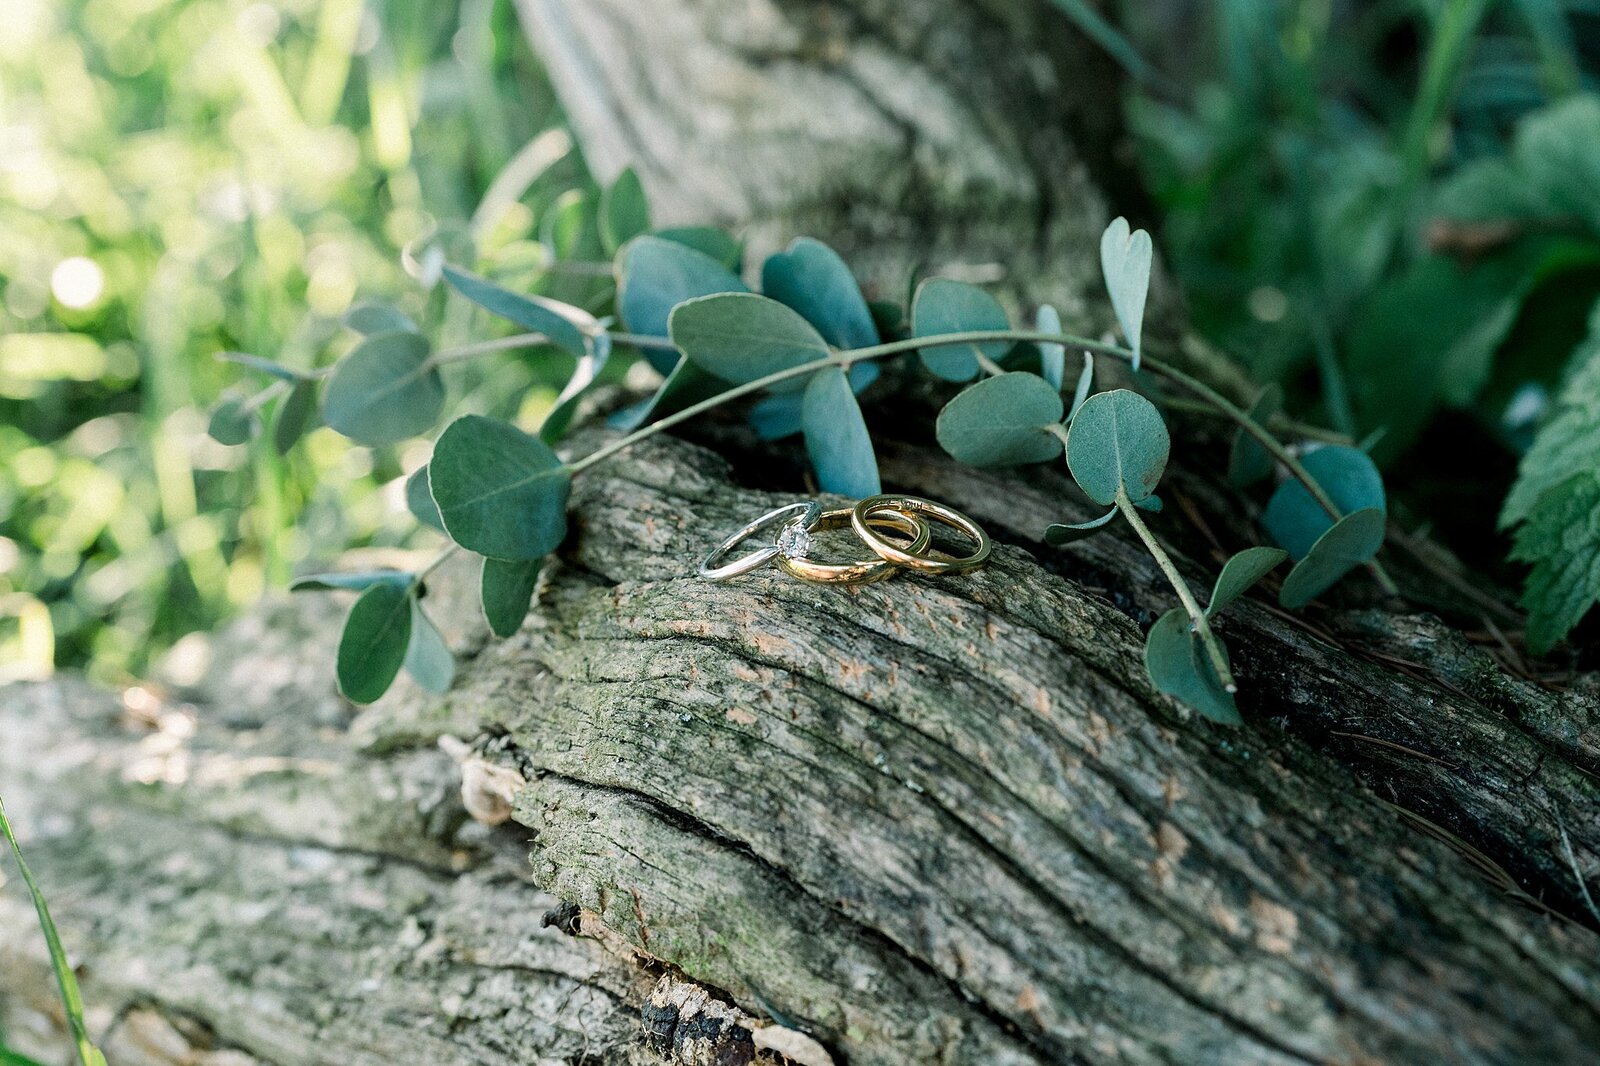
(923, 821)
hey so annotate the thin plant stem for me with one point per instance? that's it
(847, 358)
(438, 560)
(989, 366)
(1202, 625)
(692, 410)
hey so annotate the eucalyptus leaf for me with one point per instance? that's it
(836, 436)
(1118, 439)
(811, 278)
(1178, 666)
(506, 590)
(1085, 383)
(233, 421)
(295, 415)
(719, 244)
(1060, 533)
(658, 274)
(1003, 421)
(385, 390)
(741, 337)
(265, 366)
(371, 316)
(419, 499)
(1125, 259)
(942, 306)
(624, 212)
(564, 325)
(500, 492)
(1351, 541)
(373, 647)
(1248, 461)
(559, 419)
(428, 659)
(1295, 520)
(1153, 504)
(355, 580)
(1240, 573)
(1052, 357)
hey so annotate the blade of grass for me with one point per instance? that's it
(71, 998)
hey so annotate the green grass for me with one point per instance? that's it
(71, 998)
(198, 176)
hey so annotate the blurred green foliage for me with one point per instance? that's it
(1306, 176)
(1394, 209)
(179, 179)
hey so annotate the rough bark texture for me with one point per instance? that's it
(964, 135)
(924, 821)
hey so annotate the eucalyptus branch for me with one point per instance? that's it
(1202, 625)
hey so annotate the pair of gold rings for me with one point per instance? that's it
(908, 517)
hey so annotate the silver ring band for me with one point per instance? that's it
(807, 513)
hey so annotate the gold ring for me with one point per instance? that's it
(795, 542)
(916, 506)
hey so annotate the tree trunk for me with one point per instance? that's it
(923, 821)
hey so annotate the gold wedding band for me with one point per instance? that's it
(915, 506)
(795, 543)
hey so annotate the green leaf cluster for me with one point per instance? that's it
(1554, 505)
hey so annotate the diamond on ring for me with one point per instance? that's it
(794, 542)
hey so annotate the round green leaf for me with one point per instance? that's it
(384, 390)
(1248, 461)
(500, 492)
(428, 657)
(506, 589)
(1003, 421)
(1178, 666)
(944, 306)
(811, 278)
(1117, 440)
(658, 274)
(1352, 541)
(565, 326)
(624, 212)
(419, 499)
(295, 415)
(836, 436)
(1125, 259)
(1241, 572)
(1059, 533)
(741, 337)
(232, 421)
(377, 634)
(370, 316)
(1295, 520)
